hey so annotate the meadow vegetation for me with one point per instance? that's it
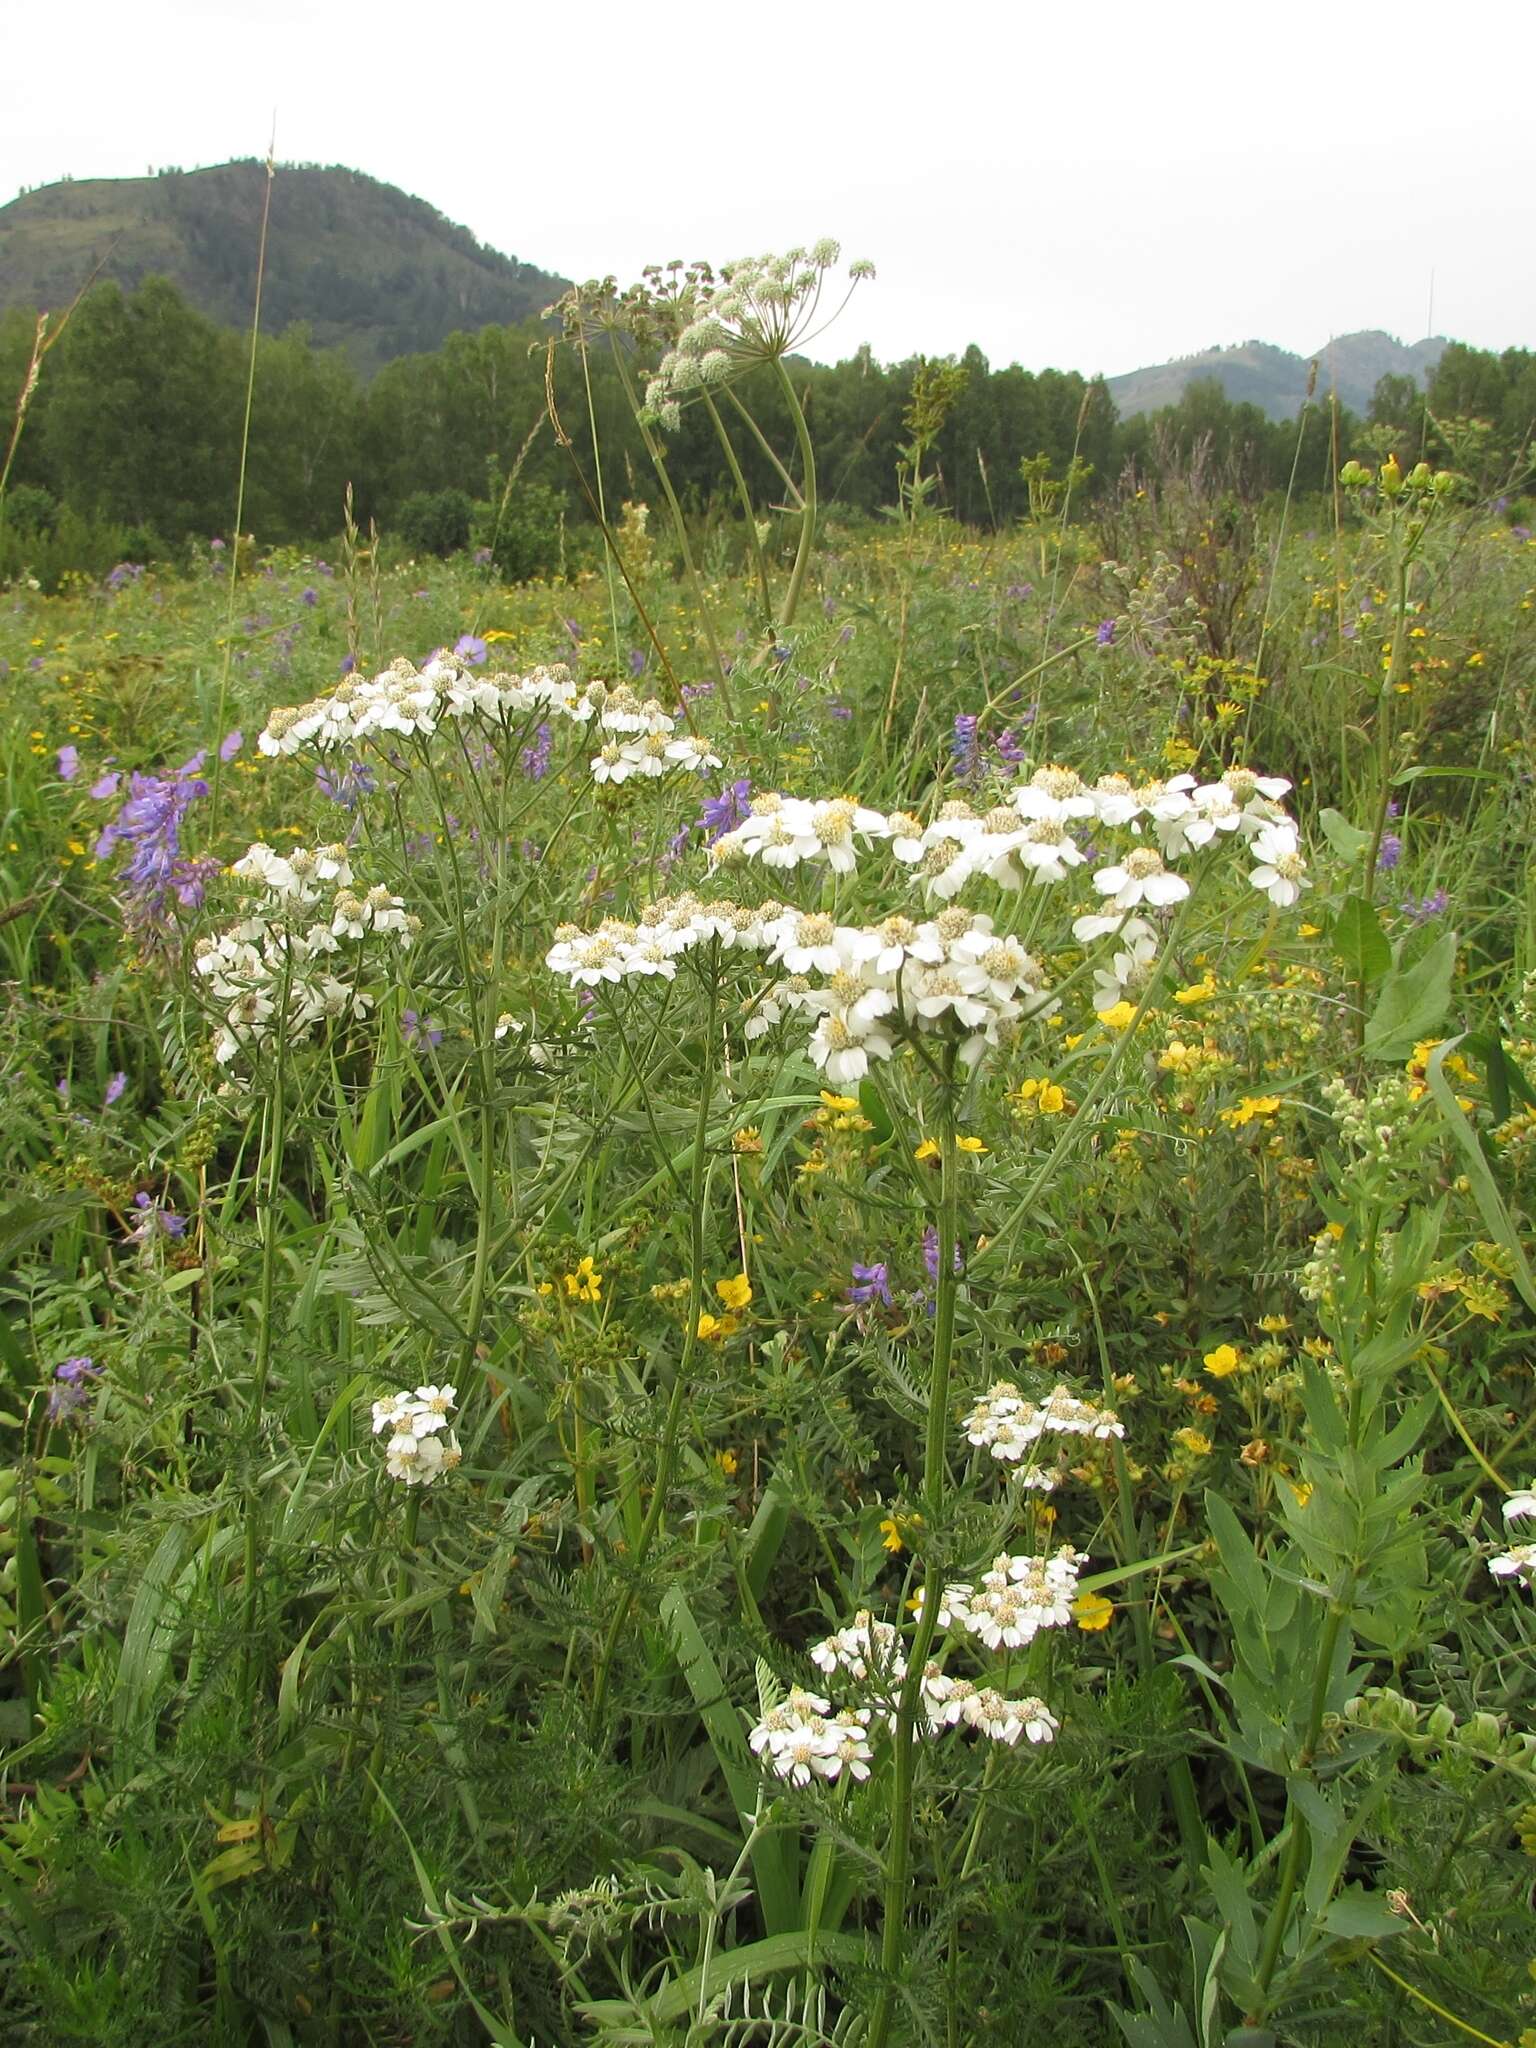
(776, 1290)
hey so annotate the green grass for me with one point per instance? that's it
(296, 1754)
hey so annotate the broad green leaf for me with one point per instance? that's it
(1360, 941)
(1412, 1003)
(1497, 1220)
(1348, 841)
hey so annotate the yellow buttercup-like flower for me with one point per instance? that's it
(1225, 1359)
(585, 1284)
(735, 1293)
(1091, 1611)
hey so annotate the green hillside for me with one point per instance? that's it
(365, 266)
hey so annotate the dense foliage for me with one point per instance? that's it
(132, 374)
(626, 1422)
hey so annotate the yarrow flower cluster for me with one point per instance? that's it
(1006, 1423)
(954, 973)
(638, 737)
(1017, 1598)
(1519, 1561)
(421, 1446)
(290, 961)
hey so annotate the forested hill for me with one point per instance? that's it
(366, 267)
(1258, 373)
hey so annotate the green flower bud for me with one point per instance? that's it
(1483, 1733)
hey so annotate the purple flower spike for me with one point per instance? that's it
(870, 1283)
(71, 1390)
(1389, 853)
(115, 1090)
(723, 813)
(231, 744)
(1105, 636)
(931, 1253)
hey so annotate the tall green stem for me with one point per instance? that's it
(898, 1864)
(808, 493)
(666, 1456)
(269, 1179)
(746, 507)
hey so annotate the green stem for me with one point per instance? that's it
(690, 571)
(746, 507)
(935, 1475)
(1290, 1869)
(808, 508)
(269, 1175)
(666, 1456)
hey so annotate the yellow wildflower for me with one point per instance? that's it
(1091, 1611)
(1225, 1359)
(929, 1149)
(1248, 1110)
(585, 1284)
(1194, 1441)
(843, 1103)
(1118, 1016)
(1199, 991)
(972, 1145)
(748, 1140)
(715, 1329)
(890, 1536)
(735, 1293)
(728, 1462)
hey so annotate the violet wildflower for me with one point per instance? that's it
(347, 787)
(231, 744)
(71, 1390)
(483, 558)
(1430, 907)
(1105, 637)
(931, 1253)
(149, 827)
(69, 763)
(1008, 747)
(535, 758)
(637, 661)
(471, 650)
(1389, 853)
(963, 747)
(115, 1090)
(153, 1221)
(124, 574)
(348, 664)
(723, 813)
(418, 1030)
(309, 596)
(870, 1283)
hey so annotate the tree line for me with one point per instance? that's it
(133, 432)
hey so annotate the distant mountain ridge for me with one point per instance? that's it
(365, 266)
(1257, 373)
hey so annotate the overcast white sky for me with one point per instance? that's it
(1095, 187)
